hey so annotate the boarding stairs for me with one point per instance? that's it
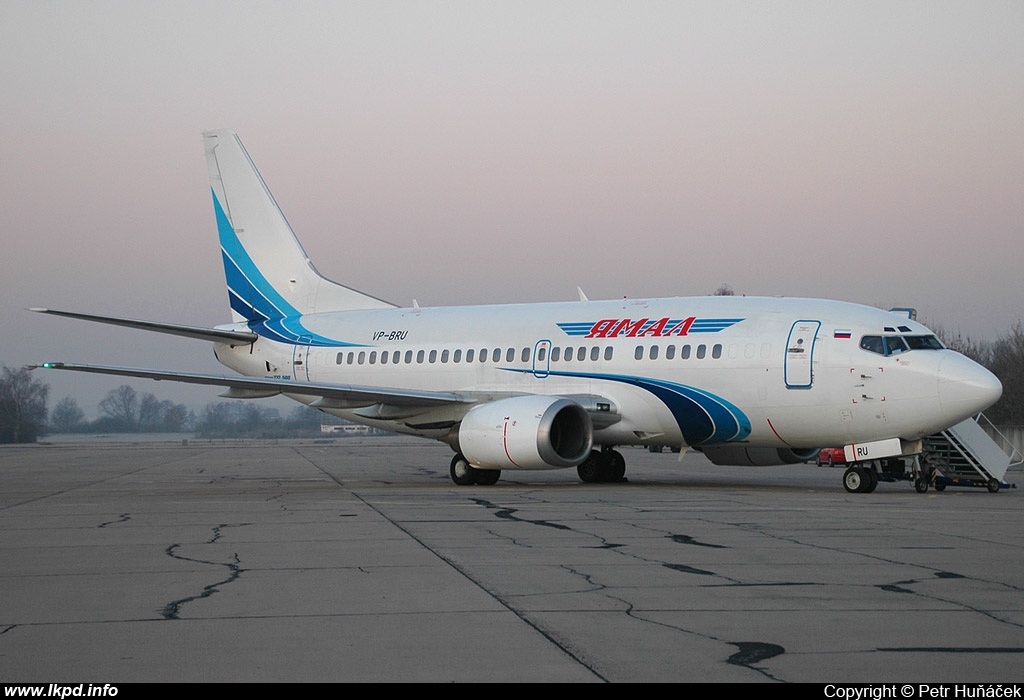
(967, 455)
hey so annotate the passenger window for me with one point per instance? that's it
(396, 357)
(638, 353)
(702, 351)
(716, 352)
(444, 356)
(670, 352)
(581, 354)
(510, 355)
(419, 357)
(469, 355)
(384, 358)
(340, 354)
(362, 358)
(595, 353)
(432, 358)
(373, 357)
(608, 352)
(654, 352)
(496, 355)
(684, 353)
(556, 354)
(408, 357)
(542, 353)
(526, 354)
(457, 356)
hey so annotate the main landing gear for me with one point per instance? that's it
(602, 466)
(464, 474)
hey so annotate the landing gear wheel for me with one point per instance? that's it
(461, 472)
(602, 467)
(487, 477)
(590, 470)
(614, 465)
(855, 480)
(921, 485)
(993, 485)
(872, 477)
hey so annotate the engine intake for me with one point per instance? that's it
(526, 432)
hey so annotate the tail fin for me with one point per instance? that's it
(269, 275)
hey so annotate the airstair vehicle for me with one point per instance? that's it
(967, 455)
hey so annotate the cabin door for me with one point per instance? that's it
(300, 360)
(542, 359)
(799, 369)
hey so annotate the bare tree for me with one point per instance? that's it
(66, 416)
(122, 405)
(22, 406)
(1007, 363)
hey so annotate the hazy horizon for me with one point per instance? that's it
(463, 153)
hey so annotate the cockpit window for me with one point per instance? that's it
(923, 342)
(895, 344)
(872, 343)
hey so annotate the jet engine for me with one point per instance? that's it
(736, 455)
(526, 432)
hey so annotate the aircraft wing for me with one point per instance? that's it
(217, 335)
(331, 395)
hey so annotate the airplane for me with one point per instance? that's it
(745, 380)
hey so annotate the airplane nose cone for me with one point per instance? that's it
(965, 387)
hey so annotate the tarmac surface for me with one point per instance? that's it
(357, 559)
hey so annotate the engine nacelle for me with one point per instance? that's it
(526, 432)
(736, 455)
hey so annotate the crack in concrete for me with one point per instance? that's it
(752, 652)
(686, 539)
(688, 569)
(171, 610)
(507, 513)
(957, 650)
(122, 519)
(749, 652)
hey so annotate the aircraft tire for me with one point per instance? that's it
(462, 473)
(872, 477)
(590, 470)
(921, 485)
(487, 477)
(614, 465)
(855, 480)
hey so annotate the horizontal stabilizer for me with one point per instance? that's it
(216, 335)
(364, 395)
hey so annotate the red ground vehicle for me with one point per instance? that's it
(830, 456)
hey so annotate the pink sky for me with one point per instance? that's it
(487, 152)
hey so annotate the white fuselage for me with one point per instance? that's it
(764, 372)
